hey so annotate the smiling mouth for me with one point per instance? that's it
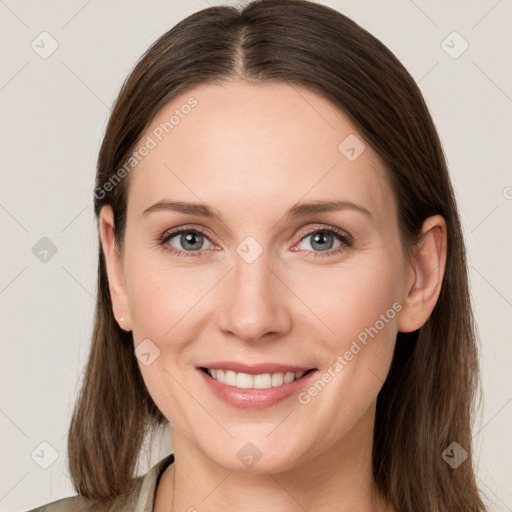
(260, 381)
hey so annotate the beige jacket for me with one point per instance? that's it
(141, 500)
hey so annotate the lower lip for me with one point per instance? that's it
(255, 398)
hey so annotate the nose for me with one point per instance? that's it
(254, 302)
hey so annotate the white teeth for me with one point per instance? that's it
(289, 377)
(277, 379)
(244, 380)
(230, 378)
(263, 381)
(247, 381)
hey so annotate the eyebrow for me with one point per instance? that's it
(297, 210)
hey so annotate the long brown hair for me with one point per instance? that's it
(427, 401)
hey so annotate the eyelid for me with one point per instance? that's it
(346, 238)
(201, 229)
(171, 233)
(325, 227)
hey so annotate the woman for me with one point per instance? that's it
(282, 278)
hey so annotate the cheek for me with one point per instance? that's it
(172, 306)
(162, 310)
(165, 299)
(164, 304)
(160, 297)
(359, 306)
(352, 299)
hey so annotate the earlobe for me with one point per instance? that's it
(114, 267)
(427, 270)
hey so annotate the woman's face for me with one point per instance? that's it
(262, 285)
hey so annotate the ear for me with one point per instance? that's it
(426, 275)
(115, 269)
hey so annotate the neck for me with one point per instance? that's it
(338, 480)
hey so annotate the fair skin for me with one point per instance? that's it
(251, 152)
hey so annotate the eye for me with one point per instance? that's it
(323, 240)
(189, 242)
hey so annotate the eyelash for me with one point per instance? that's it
(346, 240)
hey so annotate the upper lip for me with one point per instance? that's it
(256, 369)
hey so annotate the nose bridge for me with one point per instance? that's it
(255, 302)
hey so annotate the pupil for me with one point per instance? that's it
(188, 239)
(322, 246)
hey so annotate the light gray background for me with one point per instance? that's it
(53, 115)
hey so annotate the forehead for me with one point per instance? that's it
(264, 147)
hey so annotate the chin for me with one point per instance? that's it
(246, 457)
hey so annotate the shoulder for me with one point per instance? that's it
(140, 497)
(74, 503)
(80, 504)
